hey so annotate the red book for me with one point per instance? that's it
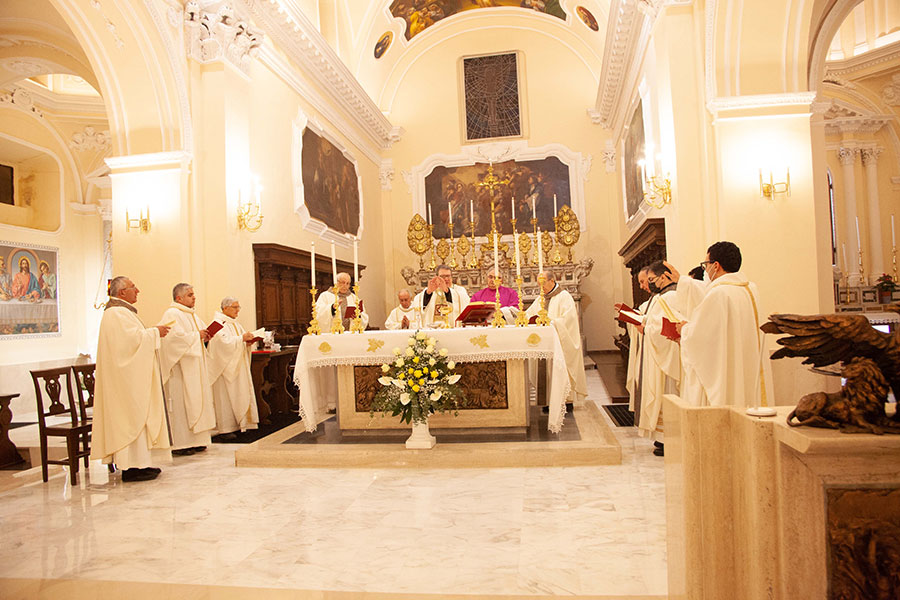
(213, 328)
(629, 316)
(623, 306)
(350, 313)
(476, 313)
(669, 331)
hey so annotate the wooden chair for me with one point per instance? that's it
(84, 386)
(76, 433)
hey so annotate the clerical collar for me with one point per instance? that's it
(556, 290)
(119, 303)
(671, 286)
(182, 307)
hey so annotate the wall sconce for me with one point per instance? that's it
(657, 190)
(770, 188)
(248, 215)
(142, 224)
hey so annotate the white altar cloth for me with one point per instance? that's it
(469, 344)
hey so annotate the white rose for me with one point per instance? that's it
(443, 352)
(451, 365)
(431, 362)
(429, 349)
(411, 342)
(436, 396)
(409, 352)
(420, 335)
(399, 362)
(404, 398)
(454, 379)
(384, 368)
(432, 341)
(396, 351)
(384, 380)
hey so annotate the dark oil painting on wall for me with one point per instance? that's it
(419, 15)
(330, 184)
(532, 183)
(634, 153)
(29, 291)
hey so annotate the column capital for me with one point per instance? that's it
(847, 155)
(870, 155)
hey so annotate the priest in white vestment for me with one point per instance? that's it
(722, 347)
(229, 371)
(404, 316)
(661, 368)
(563, 316)
(441, 289)
(185, 372)
(325, 305)
(129, 423)
(635, 348)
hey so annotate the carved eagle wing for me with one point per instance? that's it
(827, 339)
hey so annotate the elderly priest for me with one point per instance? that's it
(229, 372)
(185, 374)
(563, 316)
(325, 305)
(129, 426)
(508, 296)
(405, 316)
(441, 291)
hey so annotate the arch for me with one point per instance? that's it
(822, 32)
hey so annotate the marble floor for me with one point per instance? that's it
(206, 529)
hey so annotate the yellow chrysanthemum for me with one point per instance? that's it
(418, 373)
(415, 388)
(410, 370)
(421, 382)
(401, 376)
(416, 359)
(434, 374)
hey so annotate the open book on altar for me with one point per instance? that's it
(671, 318)
(476, 313)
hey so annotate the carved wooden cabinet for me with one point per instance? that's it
(648, 244)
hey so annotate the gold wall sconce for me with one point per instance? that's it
(768, 189)
(248, 215)
(657, 189)
(141, 224)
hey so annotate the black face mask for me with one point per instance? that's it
(654, 289)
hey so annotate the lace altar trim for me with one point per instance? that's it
(555, 425)
(473, 357)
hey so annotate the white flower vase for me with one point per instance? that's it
(421, 438)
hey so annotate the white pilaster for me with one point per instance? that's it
(876, 249)
(848, 162)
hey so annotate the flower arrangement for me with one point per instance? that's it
(418, 382)
(886, 283)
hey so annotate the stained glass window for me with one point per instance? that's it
(492, 96)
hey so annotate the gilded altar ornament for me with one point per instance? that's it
(442, 311)
(521, 317)
(547, 242)
(313, 328)
(432, 264)
(443, 250)
(533, 339)
(480, 341)
(452, 264)
(337, 324)
(534, 258)
(418, 236)
(568, 230)
(462, 248)
(524, 246)
(473, 262)
(557, 258)
(375, 345)
(356, 325)
(542, 317)
(498, 320)
(325, 348)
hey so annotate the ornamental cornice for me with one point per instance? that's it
(861, 124)
(219, 35)
(622, 46)
(292, 32)
(863, 61)
(20, 98)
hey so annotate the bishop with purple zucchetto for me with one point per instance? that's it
(508, 296)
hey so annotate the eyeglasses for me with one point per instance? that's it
(706, 262)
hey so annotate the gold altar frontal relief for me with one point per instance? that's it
(495, 398)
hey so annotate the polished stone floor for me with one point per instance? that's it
(590, 531)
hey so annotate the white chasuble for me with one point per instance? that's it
(183, 360)
(722, 348)
(635, 355)
(563, 316)
(458, 298)
(661, 368)
(129, 411)
(413, 314)
(325, 310)
(229, 372)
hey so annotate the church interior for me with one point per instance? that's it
(249, 147)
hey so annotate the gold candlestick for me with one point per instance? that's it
(337, 324)
(498, 320)
(862, 273)
(894, 261)
(452, 264)
(431, 246)
(356, 325)
(534, 259)
(313, 328)
(542, 318)
(557, 257)
(473, 262)
(521, 317)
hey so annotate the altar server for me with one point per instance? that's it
(129, 422)
(229, 372)
(635, 350)
(563, 316)
(325, 304)
(661, 365)
(405, 316)
(508, 296)
(185, 372)
(722, 347)
(455, 296)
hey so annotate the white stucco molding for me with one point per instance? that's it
(308, 223)
(760, 101)
(217, 35)
(579, 168)
(154, 161)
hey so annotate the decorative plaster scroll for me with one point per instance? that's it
(90, 139)
(890, 95)
(609, 157)
(579, 167)
(21, 99)
(110, 25)
(301, 41)
(386, 173)
(211, 36)
(301, 123)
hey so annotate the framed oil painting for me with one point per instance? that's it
(29, 290)
(634, 153)
(533, 184)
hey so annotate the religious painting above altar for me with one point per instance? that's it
(28, 290)
(330, 184)
(540, 188)
(634, 153)
(420, 15)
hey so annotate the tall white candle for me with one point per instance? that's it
(555, 211)
(356, 260)
(858, 239)
(429, 215)
(449, 212)
(514, 208)
(333, 266)
(312, 263)
(496, 257)
(471, 211)
(893, 238)
(533, 213)
(844, 252)
(518, 267)
(540, 252)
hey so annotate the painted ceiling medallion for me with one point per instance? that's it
(420, 15)
(587, 17)
(383, 43)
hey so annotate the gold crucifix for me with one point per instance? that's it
(491, 182)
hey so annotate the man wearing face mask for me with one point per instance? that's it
(635, 351)
(661, 368)
(722, 347)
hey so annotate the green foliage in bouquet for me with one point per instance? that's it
(886, 283)
(419, 382)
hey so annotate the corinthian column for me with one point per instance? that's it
(848, 161)
(876, 257)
